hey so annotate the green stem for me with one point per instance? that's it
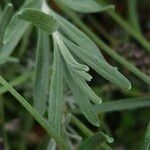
(34, 113)
(81, 126)
(101, 29)
(133, 16)
(19, 80)
(138, 36)
(105, 47)
(6, 145)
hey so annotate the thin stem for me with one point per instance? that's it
(19, 80)
(102, 30)
(34, 113)
(81, 126)
(130, 30)
(6, 145)
(133, 16)
(104, 46)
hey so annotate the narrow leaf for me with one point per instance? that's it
(42, 73)
(78, 37)
(95, 141)
(85, 6)
(120, 105)
(40, 19)
(82, 99)
(4, 20)
(4, 59)
(56, 93)
(86, 89)
(17, 28)
(104, 69)
(146, 141)
(67, 55)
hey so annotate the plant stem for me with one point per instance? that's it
(104, 46)
(19, 80)
(133, 16)
(34, 113)
(6, 145)
(138, 36)
(81, 126)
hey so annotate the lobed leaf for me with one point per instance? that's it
(17, 28)
(78, 37)
(104, 69)
(40, 19)
(56, 93)
(67, 55)
(82, 99)
(85, 6)
(95, 141)
(86, 89)
(42, 73)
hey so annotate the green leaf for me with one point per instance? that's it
(51, 132)
(17, 28)
(104, 69)
(82, 100)
(78, 37)
(42, 73)
(85, 6)
(4, 59)
(120, 105)
(85, 88)
(146, 141)
(56, 92)
(67, 55)
(40, 19)
(4, 20)
(95, 141)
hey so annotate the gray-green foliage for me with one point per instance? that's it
(74, 53)
(40, 19)
(94, 142)
(83, 48)
(85, 6)
(17, 28)
(4, 21)
(42, 72)
(56, 101)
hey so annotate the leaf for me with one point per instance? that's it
(4, 20)
(95, 141)
(56, 93)
(78, 37)
(82, 99)
(67, 55)
(4, 59)
(42, 73)
(85, 6)
(40, 19)
(86, 89)
(120, 105)
(146, 141)
(17, 28)
(104, 69)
